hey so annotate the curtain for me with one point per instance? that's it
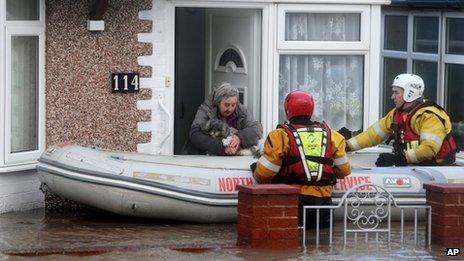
(322, 27)
(335, 81)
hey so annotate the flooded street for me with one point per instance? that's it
(104, 236)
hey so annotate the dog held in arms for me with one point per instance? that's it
(219, 129)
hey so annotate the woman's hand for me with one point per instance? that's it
(235, 142)
(230, 151)
(233, 146)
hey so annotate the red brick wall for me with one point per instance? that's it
(447, 202)
(267, 216)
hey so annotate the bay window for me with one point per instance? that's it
(431, 45)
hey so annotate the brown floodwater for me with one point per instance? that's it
(97, 235)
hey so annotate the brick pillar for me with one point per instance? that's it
(447, 201)
(267, 216)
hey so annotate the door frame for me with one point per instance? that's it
(268, 46)
(255, 57)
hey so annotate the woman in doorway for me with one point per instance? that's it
(222, 125)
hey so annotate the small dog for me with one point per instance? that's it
(219, 129)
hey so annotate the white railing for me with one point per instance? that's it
(367, 210)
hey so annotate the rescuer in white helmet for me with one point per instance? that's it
(421, 129)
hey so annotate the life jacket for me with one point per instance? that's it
(405, 138)
(309, 160)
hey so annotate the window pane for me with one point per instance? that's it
(396, 32)
(22, 10)
(455, 106)
(426, 34)
(24, 91)
(336, 83)
(454, 36)
(391, 68)
(428, 71)
(322, 27)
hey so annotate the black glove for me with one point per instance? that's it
(345, 133)
(253, 166)
(390, 159)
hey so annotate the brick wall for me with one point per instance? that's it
(447, 202)
(267, 216)
(19, 191)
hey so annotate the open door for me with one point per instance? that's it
(213, 46)
(189, 70)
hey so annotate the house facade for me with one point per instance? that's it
(62, 60)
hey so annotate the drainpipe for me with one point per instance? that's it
(95, 22)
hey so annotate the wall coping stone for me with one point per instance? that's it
(268, 189)
(445, 187)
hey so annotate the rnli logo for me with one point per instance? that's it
(397, 182)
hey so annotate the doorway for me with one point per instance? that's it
(214, 45)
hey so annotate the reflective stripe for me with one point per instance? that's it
(269, 165)
(378, 130)
(411, 155)
(353, 143)
(341, 161)
(431, 136)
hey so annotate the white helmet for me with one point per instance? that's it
(412, 85)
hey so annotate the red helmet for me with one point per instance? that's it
(299, 103)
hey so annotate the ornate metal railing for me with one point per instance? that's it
(367, 210)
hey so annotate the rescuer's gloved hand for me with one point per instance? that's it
(390, 159)
(253, 166)
(345, 133)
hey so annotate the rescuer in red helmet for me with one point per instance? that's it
(306, 154)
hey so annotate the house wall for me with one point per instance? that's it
(19, 191)
(80, 107)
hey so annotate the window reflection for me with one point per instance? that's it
(22, 10)
(24, 93)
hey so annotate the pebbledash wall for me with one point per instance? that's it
(80, 107)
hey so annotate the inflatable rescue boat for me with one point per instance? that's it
(200, 188)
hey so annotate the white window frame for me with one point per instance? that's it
(367, 47)
(20, 160)
(409, 55)
(441, 57)
(449, 59)
(362, 44)
(270, 51)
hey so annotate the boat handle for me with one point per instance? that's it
(425, 171)
(160, 102)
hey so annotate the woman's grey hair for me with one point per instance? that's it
(224, 90)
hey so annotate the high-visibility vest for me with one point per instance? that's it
(406, 139)
(308, 161)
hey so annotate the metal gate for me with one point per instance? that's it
(367, 210)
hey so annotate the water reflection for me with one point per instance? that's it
(92, 234)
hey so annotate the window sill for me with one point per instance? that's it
(19, 167)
